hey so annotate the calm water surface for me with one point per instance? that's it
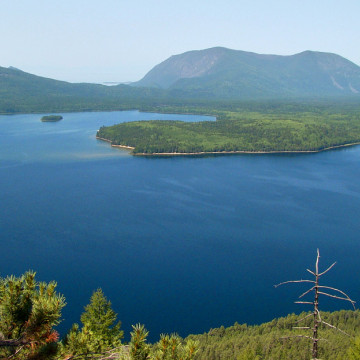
(182, 243)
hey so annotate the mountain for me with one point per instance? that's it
(16, 81)
(225, 73)
(212, 74)
(24, 92)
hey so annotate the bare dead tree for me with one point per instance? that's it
(318, 290)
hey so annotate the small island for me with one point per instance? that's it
(51, 118)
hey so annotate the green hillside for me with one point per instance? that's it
(23, 92)
(276, 340)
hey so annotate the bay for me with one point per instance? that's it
(181, 244)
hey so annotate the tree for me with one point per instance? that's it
(139, 349)
(169, 347)
(99, 333)
(318, 290)
(172, 347)
(28, 312)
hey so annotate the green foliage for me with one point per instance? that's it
(99, 319)
(172, 347)
(99, 333)
(139, 349)
(276, 340)
(28, 312)
(353, 352)
(75, 342)
(169, 347)
(270, 128)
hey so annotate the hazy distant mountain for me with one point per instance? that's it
(221, 72)
(13, 80)
(214, 74)
(24, 92)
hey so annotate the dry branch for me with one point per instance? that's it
(324, 272)
(294, 281)
(334, 327)
(316, 288)
(304, 318)
(304, 302)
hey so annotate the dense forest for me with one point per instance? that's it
(243, 127)
(30, 311)
(278, 340)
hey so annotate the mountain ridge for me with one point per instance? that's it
(222, 72)
(216, 74)
(24, 92)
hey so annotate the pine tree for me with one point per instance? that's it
(100, 331)
(172, 347)
(28, 312)
(99, 321)
(190, 349)
(139, 349)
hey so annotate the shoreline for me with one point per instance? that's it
(117, 146)
(229, 152)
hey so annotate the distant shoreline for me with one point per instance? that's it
(229, 152)
(118, 146)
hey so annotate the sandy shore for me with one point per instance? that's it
(230, 152)
(123, 147)
(249, 152)
(117, 146)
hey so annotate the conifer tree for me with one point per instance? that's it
(190, 349)
(172, 347)
(100, 331)
(99, 320)
(139, 349)
(28, 312)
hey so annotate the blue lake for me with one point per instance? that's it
(181, 244)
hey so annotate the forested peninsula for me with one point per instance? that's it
(245, 128)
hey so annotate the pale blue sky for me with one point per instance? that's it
(120, 40)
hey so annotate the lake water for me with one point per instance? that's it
(181, 244)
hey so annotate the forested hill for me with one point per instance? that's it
(276, 340)
(225, 73)
(24, 92)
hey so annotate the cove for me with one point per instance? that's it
(180, 244)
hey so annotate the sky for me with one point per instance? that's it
(121, 40)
